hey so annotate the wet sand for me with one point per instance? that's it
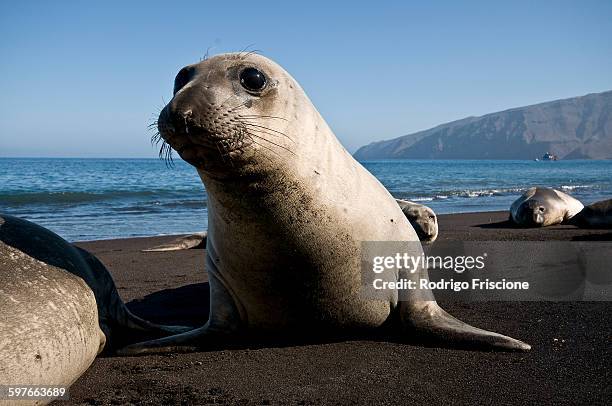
(569, 362)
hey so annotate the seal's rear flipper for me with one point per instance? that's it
(191, 341)
(116, 319)
(134, 322)
(429, 321)
(197, 240)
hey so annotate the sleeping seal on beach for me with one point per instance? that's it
(541, 207)
(596, 215)
(186, 242)
(288, 210)
(422, 218)
(59, 308)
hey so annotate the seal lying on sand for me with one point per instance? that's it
(596, 215)
(197, 240)
(59, 308)
(422, 218)
(541, 207)
(288, 210)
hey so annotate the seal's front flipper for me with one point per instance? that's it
(191, 341)
(197, 240)
(429, 321)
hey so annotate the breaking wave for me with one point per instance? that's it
(477, 193)
(67, 198)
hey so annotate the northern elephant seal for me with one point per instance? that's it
(288, 210)
(197, 240)
(541, 207)
(596, 215)
(422, 218)
(58, 308)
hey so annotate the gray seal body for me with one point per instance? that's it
(288, 210)
(59, 308)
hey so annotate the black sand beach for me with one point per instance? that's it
(569, 362)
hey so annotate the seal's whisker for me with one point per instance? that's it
(264, 131)
(226, 100)
(220, 153)
(263, 146)
(156, 138)
(271, 142)
(158, 109)
(165, 153)
(267, 129)
(206, 55)
(246, 122)
(168, 154)
(231, 110)
(227, 152)
(255, 51)
(253, 116)
(244, 50)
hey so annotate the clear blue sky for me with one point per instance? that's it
(85, 78)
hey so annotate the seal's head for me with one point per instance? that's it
(231, 110)
(541, 207)
(532, 213)
(424, 221)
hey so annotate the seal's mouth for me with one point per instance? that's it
(533, 213)
(426, 232)
(198, 139)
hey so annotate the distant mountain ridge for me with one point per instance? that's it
(575, 128)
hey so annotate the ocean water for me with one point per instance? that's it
(89, 199)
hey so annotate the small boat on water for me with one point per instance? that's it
(549, 157)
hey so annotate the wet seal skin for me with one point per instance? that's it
(288, 209)
(541, 207)
(59, 308)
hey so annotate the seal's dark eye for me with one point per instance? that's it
(253, 80)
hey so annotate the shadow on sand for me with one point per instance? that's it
(187, 305)
(593, 237)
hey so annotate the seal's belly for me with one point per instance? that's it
(302, 298)
(328, 314)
